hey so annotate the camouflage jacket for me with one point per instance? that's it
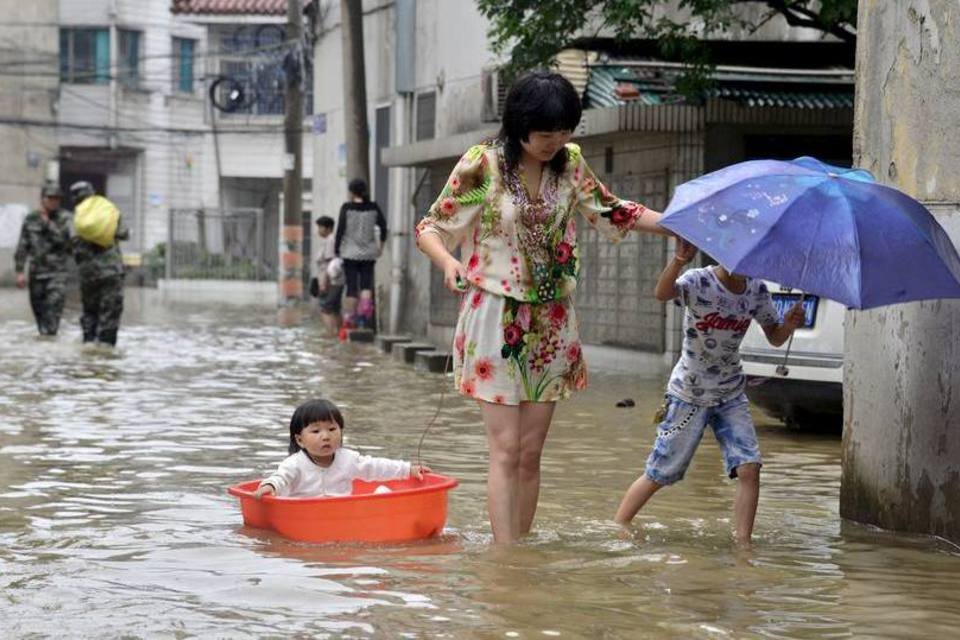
(95, 262)
(46, 243)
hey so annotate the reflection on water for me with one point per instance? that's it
(114, 468)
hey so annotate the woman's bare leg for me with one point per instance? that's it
(502, 424)
(535, 418)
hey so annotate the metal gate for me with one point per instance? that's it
(216, 245)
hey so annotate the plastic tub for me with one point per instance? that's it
(411, 510)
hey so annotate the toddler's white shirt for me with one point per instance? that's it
(298, 476)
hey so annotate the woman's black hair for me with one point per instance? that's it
(538, 101)
(358, 187)
(311, 411)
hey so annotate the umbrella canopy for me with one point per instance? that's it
(818, 228)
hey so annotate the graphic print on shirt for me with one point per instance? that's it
(715, 323)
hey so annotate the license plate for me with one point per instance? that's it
(783, 301)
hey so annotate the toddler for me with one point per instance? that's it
(319, 466)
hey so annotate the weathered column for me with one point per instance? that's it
(901, 440)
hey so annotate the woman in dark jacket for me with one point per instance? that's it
(357, 244)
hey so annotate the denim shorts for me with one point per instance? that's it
(678, 437)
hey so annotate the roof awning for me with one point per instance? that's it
(434, 150)
(619, 83)
(639, 96)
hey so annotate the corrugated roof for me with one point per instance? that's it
(750, 89)
(230, 7)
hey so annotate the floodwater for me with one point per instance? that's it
(114, 518)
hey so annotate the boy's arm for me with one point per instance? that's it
(777, 334)
(666, 289)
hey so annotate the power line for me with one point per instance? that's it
(48, 57)
(263, 129)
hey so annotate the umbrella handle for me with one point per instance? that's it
(782, 369)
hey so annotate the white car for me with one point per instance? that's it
(807, 389)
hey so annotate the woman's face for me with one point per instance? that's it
(543, 145)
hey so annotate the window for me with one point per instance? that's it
(183, 50)
(254, 56)
(426, 115)
(129, 62)
(85, 56)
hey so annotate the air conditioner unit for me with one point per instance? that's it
(494, 94)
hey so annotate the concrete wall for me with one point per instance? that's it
(901, 449)
(28, 54)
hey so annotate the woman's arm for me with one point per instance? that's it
(453, 269)
(454, 214)
(607, 213)
(341, 226)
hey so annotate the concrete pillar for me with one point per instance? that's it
(901, 440)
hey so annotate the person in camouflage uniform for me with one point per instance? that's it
(101, 278)
(45, 241)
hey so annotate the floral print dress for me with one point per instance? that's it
(517, 336)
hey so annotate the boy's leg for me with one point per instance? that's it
(633, 500)
(733, 427)
(745, 504)
(677, 439)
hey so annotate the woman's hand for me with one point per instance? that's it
(454, 275)
(417, 471)
(685, 251)
(264, 490)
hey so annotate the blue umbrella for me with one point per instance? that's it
(822, 229)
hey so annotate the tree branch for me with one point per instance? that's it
(799, 16)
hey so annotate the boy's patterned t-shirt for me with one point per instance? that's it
(714, 323)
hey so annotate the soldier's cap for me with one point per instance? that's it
(51, 190)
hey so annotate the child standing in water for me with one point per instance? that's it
(707, 383)
(319, 466)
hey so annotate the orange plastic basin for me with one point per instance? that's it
(413, 509)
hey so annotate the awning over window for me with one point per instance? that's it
(618, 83)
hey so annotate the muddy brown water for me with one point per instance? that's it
(114, 521)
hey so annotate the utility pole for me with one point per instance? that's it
(291, 252)
(355, 91)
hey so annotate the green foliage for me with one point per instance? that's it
(534, 31)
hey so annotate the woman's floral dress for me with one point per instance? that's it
(517, 337)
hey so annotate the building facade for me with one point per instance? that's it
(28, 104)
(433, 90)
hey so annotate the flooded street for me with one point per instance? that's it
(115, 522)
